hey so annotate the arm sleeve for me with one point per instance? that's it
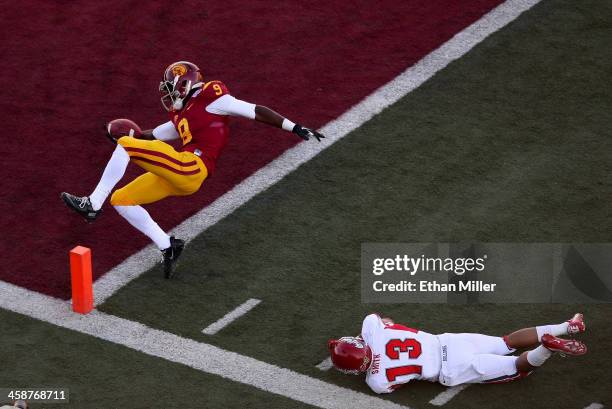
(228, 105)
(165, 132)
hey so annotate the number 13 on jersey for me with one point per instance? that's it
(393, 349)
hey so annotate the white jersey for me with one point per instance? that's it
(399, 354)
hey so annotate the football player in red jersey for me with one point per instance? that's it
(392, 354)
(199, 115)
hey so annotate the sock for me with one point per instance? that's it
(142, 220)
(115, 168)
(536, 357)
(556, 330)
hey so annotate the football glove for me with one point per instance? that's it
(306, 133)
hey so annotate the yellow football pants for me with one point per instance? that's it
(169, 173)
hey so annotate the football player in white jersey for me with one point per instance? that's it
(392, 354)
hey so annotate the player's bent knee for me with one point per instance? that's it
(131, 142)
(121, 198)
(126, 141)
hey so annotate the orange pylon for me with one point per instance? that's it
(80, 273)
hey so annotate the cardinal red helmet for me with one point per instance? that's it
(180, 78)
(350, 355)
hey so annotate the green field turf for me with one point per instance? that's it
(509, 144)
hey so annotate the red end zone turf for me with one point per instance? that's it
(70, 67)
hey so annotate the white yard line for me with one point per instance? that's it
(197, 355)
(594, 405)
(325, 364)
(443, 397)
(335, 130)
(231, 316)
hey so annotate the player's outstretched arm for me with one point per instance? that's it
(229, 105)
(270, 117)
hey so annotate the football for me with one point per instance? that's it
(122, 127)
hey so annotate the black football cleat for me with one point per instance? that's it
(81, 205)
(171, 255)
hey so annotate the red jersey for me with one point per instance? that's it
(203, 133)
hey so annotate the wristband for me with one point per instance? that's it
(288, 125)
